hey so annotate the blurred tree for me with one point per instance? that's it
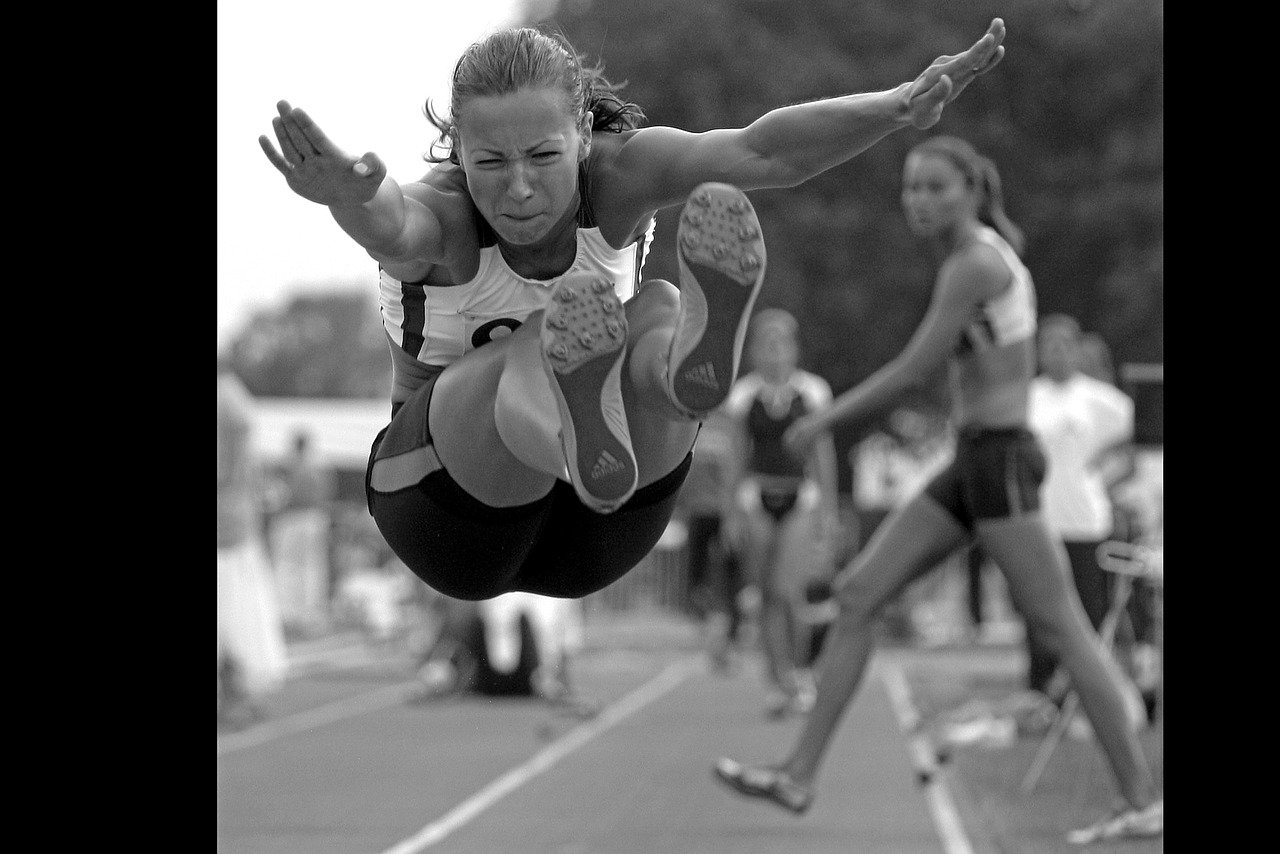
(318, 345)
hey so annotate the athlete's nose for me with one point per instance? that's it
(520, 186)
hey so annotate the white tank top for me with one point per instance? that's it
(430, 326)
(1010, 316)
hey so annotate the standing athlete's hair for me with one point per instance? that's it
(514, 59)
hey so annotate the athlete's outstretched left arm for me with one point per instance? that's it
(963, 284)
(792, 144)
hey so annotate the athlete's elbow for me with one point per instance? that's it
(390, 255)
(784, 174)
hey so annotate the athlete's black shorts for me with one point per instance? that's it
(996, 474)
(779, 502)
(466, 549)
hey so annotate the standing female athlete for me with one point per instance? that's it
(981, 322)
(782, 498)
(547, 459)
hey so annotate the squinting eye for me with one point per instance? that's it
(546, 155)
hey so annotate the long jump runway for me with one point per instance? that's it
(347, 764)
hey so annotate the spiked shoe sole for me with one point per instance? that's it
(722, 259)
(584, 334)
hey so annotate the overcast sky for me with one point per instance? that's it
(363, 70)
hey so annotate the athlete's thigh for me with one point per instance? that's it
(1034, 564)
(578, 551)
(911, 541)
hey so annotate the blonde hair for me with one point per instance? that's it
(513, 59)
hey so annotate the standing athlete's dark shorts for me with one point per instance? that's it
(996, 474)
(466, 549)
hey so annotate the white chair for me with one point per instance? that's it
(1128, 562)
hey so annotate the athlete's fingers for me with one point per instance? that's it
(276, 160)
(313, 135)
(369, 166)
(301, 145)
(997, 30)
(938, 94)
(287, 148)
(986, 52)
(927, 79)
(993, 61)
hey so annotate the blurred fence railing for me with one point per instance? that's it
(661, 579)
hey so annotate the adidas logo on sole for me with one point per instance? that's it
(703, 375)
(607, 464)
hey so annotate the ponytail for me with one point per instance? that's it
(991, 208)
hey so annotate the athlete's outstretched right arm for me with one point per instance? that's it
(371, 207)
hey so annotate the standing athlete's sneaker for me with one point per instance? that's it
(771, 784)
(721, 256)
(1131, 824)
(584, 336)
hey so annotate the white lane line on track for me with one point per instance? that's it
(946, 818)
(348, 707)
(464, 812)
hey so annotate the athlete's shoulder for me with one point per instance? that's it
(813, 387)
(744, 390)
(975, 272)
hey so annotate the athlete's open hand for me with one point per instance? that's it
(940, 83)
(315, 168)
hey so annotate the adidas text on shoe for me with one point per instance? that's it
(584, 336)
(721, 258)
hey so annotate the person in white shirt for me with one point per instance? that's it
(1082, 423)
(252, 656)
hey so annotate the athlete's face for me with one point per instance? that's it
(774, 351)
(936, 197)
(521, 153)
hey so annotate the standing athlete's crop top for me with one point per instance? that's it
(1009, 316)
(430, 326)
(766, 411)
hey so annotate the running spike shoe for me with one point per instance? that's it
(721, 258)
(771, 784)
(584, 336)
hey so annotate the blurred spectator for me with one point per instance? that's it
(300, 540)
(1095, 358)
(251, 647)
(376, 595)
(514, 644)
(1085, 425)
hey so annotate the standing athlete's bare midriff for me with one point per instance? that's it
(990, 388)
